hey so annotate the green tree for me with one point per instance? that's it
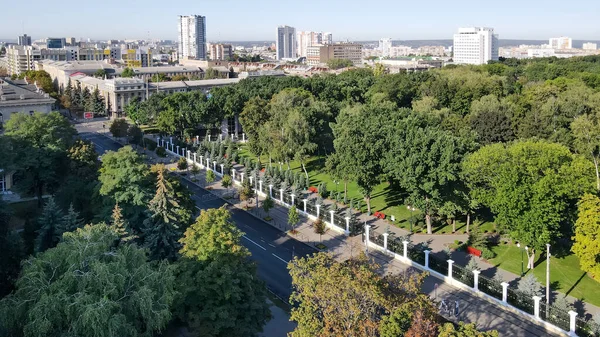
(252, 117)
(210, 177)
(339, 63)
(586, 244)
(211, 73)
(119, 128)
(39, 145)
(268, 204)
(319, 227)
(293, 218)
(531, 186)
(11, 253)
(158, 78)
(73, 279)
(67, 97)
(226, 181)
(586, 132)
(397, 323)
(215, 276)
(490, 119)
(360, 312)
(100, 73)
(49, 223)
(246, 192)
(128, 72)
(464, 330)
(120, 226)
(135, 135)
(163, 228)
(182, 164)
(70, 221)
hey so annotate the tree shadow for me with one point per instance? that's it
(575, 284)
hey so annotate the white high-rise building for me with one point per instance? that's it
(192, 37)
(327, 38)
(308, 39)
(562, 42)
(590, 46)
(286, 42)
(475, 45)
(385, 46)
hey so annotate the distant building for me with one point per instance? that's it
(590, 46)
(19, 97)
(141, 57)
(319, 55)
(475, 45)
(286, 42)
(24, 40)
(307, 39)
(327, 38)
(56, 43)
(192, 37)
(385, 46)
(220, 51)
(561, 42)
(21, 58)
(71, 41)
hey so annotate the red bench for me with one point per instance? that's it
(379, 215)
(473, 251)
(313, 189)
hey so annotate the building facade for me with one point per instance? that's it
(590, 46)
(327, 38)
(475, 45)
(24, 40)
(286, 42)
(319, 55)
(56, 42)
(307, 39)
(220, 51)
(562, 42)
(19, 97)
(21, 58)
(192, 37)
(385, 46)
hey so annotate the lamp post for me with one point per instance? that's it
(412, 218)
(522, 250)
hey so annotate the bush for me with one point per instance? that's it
(182, 164)
(487, 253)
(150, 144)
(161, 152)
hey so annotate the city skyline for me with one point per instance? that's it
(534, 20)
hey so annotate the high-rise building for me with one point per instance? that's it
(327, 38)
(286, 42)
(562, 42)
(590, 46)
(220, 51)
(71, 41)
(56, 42)
(192, 37)
(21, 58)
(24, 40)
(306, 39)
(385, 46)
(475, 45)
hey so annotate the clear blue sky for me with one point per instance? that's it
(346, 19)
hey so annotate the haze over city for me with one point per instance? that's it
(231, 20)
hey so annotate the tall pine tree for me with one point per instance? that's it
(120, 226)
(76, 97)
(50, 222)
(162, 229)
(70, 222)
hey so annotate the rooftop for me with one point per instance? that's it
(13, 93)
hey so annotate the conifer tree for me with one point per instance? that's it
(120, 226)
(50, 222)
(70, 222)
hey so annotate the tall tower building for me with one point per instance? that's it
(192, 37)
(385, 46)
(475, 45)
(327, 38)
(307, 39)
(24, 40)
(286, 42)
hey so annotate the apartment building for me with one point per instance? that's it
(220, 51)
(192, 37)
(562, 42)
(475, 45)
(286, 42)
(319, 55)
(385, 46)
(590, 46)
(21, 58)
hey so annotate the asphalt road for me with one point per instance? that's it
(271, 249)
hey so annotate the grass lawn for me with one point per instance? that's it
(565, 275)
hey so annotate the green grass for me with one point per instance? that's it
(565, 274)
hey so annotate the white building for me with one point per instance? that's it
(286, 42)
(562, 42)
(590, 46)
(475, 45)
(192, 37)
(385, 46)
(307, 39)
(327, 38)
(19, 97)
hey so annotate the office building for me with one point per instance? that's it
(385, 46)
(71, 41)
(24, 40)
(56, 43)
(192, 37)
(561, 42)
(590, 46)
(327, 38)
(319, 55)
(220, 51)
(307, 39)
(286, 42)
(475, 45)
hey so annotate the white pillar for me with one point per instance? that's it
(385, 239)
(222, 169)
(405, 243)
(162, 142)
(177, 150)
(220, 136)
(209, 137)
(293, 196)
(304, 201)
(195, 158)
(572, 325)
(367, 227)
(536, 307)
(172, 147)
(201, 161)
(318, 208)
(476, 279)
(215, 166)
(450, 262)
(270, 191)
(197, 140)
(171, 140)
(332, 212)
(232, 136)
(243, 137)
(260, 185)
(242, 177)
(504, 291)
(347, 225)
(251, 181)
(233, 174)
(208, 163)
(427, 258)
(281, 195)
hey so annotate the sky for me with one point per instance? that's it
(234, 20)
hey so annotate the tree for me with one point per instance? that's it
(100, 73)
(268, 204)
(246, 193)
(531, 187)
(586, 244)
(362, 309)
(293, 218)
(163, 228)
(586, 132)
(529, 286)
(119, 128)
(67, 97)
(49, 223)
(226, 181)
(135, 135)
(464, 330)
(214, 276)
(158, 78)
(210, 176)
(120, 226)
(339, 63)
(211, 73)
(182, 164)
(39, 145)
(11, 253)
(128, 72)
(196, 170)
(252, 118)
(320, 228)
(73, 279)
(490, 119)
(70, 222)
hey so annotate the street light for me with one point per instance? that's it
(412, 218)
(526, 249)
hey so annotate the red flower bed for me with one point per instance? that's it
(473, 251)
(262, 170)
(313, 189)
(379, 215)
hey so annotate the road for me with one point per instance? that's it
(271, 249)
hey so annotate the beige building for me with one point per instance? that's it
(21, 58)
(220, 51)
(318, 55)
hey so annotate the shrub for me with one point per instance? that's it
(161, 152)
(182, 164)
(210, 176)
(150, 144)
(226, 181)
(487, 253)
